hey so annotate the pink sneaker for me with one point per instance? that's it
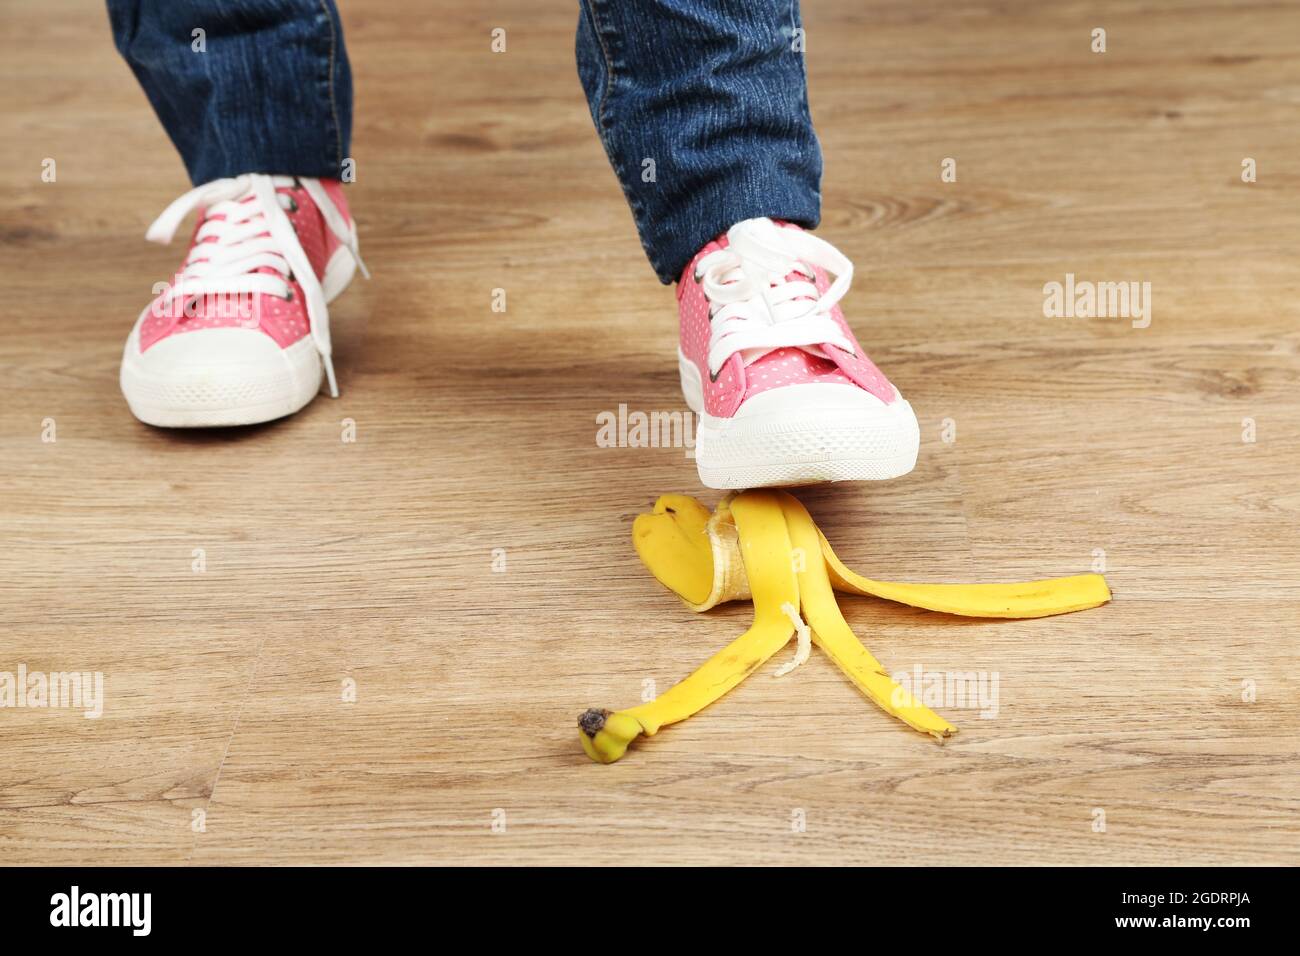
(785, 393)
(241, 333)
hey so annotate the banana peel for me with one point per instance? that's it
(763, 546)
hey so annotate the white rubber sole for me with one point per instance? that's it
(214, 378)
(801, 434)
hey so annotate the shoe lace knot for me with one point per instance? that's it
(763, 294)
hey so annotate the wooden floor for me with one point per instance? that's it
(330, 562)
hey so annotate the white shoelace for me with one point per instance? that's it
(254, 235)
(755, 308)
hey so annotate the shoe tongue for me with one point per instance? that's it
(798, 276)
(787, 366)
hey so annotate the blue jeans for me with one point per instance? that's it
(702, 105)
(703, 109)
(265, 88)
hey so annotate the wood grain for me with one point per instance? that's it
(372, 561)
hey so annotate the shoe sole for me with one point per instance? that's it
(800, 446)
(224, 398)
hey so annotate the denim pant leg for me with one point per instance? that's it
(264, 88)
(703, 109)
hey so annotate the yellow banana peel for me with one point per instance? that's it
(763, 546)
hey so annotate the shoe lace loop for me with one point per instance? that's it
(247, 244)
(763, 295)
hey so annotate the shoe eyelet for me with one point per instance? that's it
(289, 296)
(697, 277)
(713, 376)
(293, 204)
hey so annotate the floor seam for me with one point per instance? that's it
(239, 714)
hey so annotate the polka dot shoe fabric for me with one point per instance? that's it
(785, 393)
(240, 334)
